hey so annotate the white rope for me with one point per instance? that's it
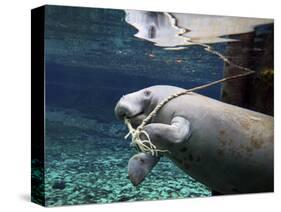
(144, 145)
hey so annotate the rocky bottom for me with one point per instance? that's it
(86, 162)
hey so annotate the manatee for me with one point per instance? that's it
(227, 148)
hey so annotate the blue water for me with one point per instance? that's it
(92, 59)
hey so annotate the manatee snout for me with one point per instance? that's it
(121, 110)
(139, 166)
(131, 107)
(128, 107)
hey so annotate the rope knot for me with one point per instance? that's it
(144, 144)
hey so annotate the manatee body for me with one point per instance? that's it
(225, 147)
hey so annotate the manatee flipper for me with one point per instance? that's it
(139, 166)
(162, 135)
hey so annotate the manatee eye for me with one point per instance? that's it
(147, 93)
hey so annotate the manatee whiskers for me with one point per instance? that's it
(145, 145)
